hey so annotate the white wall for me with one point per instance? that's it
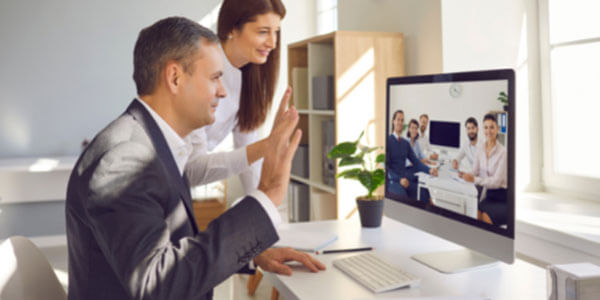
(419, 20)
(67, 68)
(66, 71)
(492, 34)
(476, 100)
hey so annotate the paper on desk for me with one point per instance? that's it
(301, 240)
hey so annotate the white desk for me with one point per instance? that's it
(397, 242)
(448, 192)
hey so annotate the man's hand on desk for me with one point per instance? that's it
(454, 164)
(466, 176)
(404, 182)
(273, 260)
(433, 171)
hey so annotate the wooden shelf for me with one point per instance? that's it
(319, 112)
(317, 185)
(359, 63)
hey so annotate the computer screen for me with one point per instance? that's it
(466, 192)
(445, 134)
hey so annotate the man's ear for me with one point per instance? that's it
(173, 75)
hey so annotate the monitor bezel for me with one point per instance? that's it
(500, 74)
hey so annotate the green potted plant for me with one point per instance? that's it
(503, 98)
(361, 164)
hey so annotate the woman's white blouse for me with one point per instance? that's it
(203, 168)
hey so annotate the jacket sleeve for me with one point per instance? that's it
(130, 219)
(418, 165)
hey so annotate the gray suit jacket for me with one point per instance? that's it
(130, 226)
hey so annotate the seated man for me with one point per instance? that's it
(468, 150)
(402, 180)
(130, 226)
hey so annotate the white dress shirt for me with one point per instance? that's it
(490, 172)
(181, 149)
(207, 138)
(469, 151)
(424, 145)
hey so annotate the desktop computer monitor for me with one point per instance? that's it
(444, 134)
(466, 196)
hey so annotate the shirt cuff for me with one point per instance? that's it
(266, 204)
(251, 265)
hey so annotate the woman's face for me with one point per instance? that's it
(413, 129)
(398, 123)
(490, 129)
(256, 39)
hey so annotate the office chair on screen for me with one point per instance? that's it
(25, 272)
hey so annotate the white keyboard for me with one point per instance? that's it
(375, 273)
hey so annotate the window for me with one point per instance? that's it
(570, 60)
(326, 16)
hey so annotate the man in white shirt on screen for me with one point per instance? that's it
(468, 150)
(424, 140)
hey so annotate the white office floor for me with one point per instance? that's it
(234, 288)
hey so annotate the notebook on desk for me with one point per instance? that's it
(307, 241)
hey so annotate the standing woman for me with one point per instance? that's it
(249, 34)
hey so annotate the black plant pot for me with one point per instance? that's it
(370, 212)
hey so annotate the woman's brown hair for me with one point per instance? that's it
(258, 80)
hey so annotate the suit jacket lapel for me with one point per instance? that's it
(139, 112)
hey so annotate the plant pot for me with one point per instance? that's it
(370, 211)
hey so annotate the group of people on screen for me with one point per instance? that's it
(481, 162)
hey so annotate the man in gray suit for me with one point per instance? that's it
(130, 225)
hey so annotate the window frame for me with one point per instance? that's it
(554, 182)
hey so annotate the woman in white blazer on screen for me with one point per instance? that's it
(249, 34)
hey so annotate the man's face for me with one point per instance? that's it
(399, 123)
(472, 131)
(423, 121)
(200, 91)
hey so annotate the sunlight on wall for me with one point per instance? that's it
(63, 277)
(356, 110)
(327, 16)
(522, 134)
(351, 77)
(9, 263)
(14, 128)
(210, 20)
(43, 165)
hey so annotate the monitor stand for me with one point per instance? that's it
(455, 261)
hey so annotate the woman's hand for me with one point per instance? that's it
(466, 176)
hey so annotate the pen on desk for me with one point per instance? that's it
(346, 250)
